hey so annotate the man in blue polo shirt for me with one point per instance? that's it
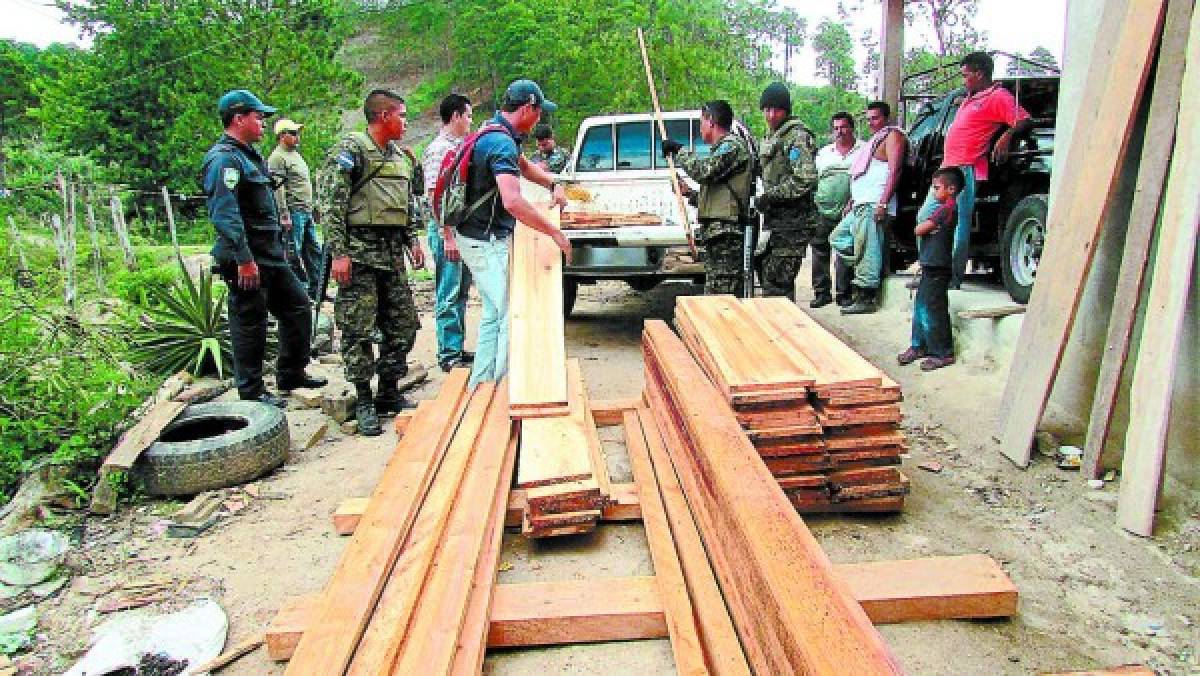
(496, 168)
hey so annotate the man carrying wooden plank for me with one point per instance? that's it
(496, 165)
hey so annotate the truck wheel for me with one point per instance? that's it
(570, 290)
(1021, 246)
(215, 445)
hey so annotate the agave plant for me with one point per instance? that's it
(188, 330)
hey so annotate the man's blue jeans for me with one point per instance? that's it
(965, 202)
(452, 280)
(488, 263)
(307, 248)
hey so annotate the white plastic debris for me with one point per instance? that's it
(196, 633)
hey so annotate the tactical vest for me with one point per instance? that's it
(728, 198)
(381, 195)
(774, 153)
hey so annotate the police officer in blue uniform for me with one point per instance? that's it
(249, 254)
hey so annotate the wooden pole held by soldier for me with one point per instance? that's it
(662, 130)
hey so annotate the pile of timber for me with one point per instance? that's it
(739, 584)
(584, 220)
(561, 464)
(824, 419)
(787, 607)
(411, 593)
(562, 467)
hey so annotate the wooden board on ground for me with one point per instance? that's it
(1143, 219)
(792, 614)
(363, 570)
(629, 608)
(1099, 141)
(129, 449)
(1166, 305)
(537, 353)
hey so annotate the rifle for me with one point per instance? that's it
(322, 286)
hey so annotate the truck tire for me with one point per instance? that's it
(1021, 246)
(213, 446)
(570, 290)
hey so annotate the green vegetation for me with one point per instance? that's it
(187, 329)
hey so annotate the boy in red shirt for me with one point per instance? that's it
(931, 336)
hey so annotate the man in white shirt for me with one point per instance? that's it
(833, 193)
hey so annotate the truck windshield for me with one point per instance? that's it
(699, 146)
(678, 130)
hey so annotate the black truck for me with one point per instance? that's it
(1010, 207)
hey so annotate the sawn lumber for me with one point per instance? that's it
(537, 353)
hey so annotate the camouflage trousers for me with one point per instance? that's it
(375, 298)
(723, 264)
(785, 253)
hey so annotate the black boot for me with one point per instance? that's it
(364, 412)
(864, 302)
(389, 399)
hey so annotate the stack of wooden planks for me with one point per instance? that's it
(411, 593)
(562, 467)
(561, 464)
(823, 418)
(789, 610)
(584, 220)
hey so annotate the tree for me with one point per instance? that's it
(143, 99)
(1043, 63)
(952, 22)
(835, 55)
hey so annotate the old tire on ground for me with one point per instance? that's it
(1021, 246)
(215, 445)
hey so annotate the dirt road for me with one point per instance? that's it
(1091, 596)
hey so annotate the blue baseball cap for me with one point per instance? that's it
(521, 92)
(242, 101)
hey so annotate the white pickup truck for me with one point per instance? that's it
(618, 160)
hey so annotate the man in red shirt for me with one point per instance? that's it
(987, 108)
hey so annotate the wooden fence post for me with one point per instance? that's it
(171, 223)
(97, 253)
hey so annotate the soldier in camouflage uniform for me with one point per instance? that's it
(548, 155)
(789, 173)
(366, 199)
(726, 179)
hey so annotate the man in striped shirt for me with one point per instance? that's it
(452, 278)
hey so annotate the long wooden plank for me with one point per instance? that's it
(406, 580)
(430, 643)
(686, 644)
(537, 352)
(473, 641)
(129, 449)
(940, 588)
(1143, 218)
(712, 614)
(1158, 351)
(579, 611)
(359, 579)
(804, 620)
(1118, 75)
(559, 449)
(629, 608)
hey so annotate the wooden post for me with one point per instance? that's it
(892, 54)
(662, 130)
(118, 221)
(24, 275)
(171, 223)
(97, 254)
